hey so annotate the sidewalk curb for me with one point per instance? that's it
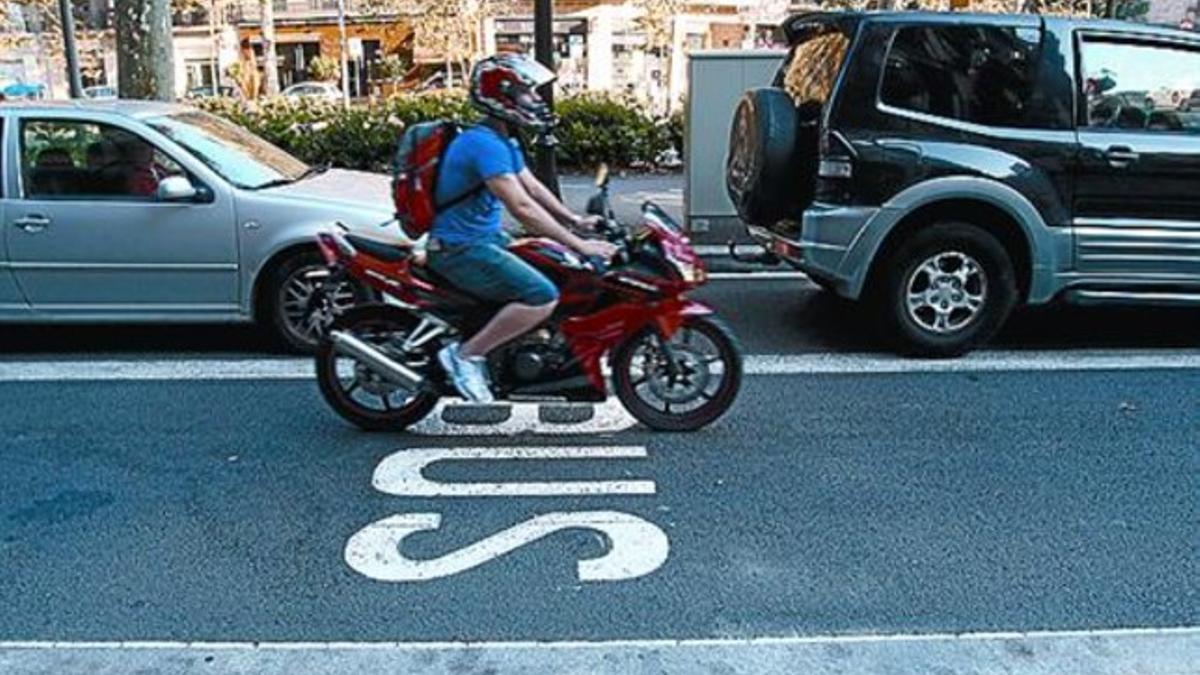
(1157, 651)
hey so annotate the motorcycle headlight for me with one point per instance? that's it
(689, 272)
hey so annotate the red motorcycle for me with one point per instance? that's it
(674, 365)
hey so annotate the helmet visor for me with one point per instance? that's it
(533, 73)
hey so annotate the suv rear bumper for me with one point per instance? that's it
(828, 236)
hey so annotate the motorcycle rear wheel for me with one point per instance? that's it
(707, 379)
(349, 386)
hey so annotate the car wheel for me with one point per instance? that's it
(291, 286)
(945, 290)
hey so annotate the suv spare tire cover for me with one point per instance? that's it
(767, 172)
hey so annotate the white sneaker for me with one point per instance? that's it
(469, 375)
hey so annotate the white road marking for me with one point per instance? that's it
(765, 275)
(722, 250)
(977, 362)
(636, 547)
(524, 418)
(402, 473)
(755, 364)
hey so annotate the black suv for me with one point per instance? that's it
(949, 166)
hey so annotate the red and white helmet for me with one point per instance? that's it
(505, 86)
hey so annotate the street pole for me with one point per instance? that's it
(68, 27)
(543, 47)
(213, 47)
(344, 50)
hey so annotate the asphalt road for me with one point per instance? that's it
(856, 503)
(823, 504)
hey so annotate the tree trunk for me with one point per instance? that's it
(270, 62)
(145, 65)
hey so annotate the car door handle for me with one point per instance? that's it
(1119, 156)
(32, 223)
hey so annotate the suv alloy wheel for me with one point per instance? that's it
(946, 289)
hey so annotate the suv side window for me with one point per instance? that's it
(1140, 85)
(73, 159)
(979, 74)
(2, 153)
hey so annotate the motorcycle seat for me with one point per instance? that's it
(457, 295)
(383, 250)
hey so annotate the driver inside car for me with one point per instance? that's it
(467, 244)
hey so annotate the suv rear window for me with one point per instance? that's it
(812, 67)
(979, 74)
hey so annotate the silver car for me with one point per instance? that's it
(131, 211)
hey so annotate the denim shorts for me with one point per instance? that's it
(489, 271)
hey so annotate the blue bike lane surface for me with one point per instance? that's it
(860, 504)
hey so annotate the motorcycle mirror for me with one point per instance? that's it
(602, 175)
(595, 206)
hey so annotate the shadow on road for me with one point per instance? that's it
(781, 317)
(142, 340)
(770, 317)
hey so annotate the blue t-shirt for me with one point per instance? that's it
(474, 156)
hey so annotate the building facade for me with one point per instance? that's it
(600, 44)
(1181, 13)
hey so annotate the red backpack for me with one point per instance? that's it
(415, 168)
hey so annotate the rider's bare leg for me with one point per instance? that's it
(513, 320)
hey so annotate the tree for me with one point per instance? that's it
(324, 69)
(451, 28)
(657, 22)
(270, 61)
(37, 24)
(145, 66)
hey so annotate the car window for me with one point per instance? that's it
(1139, 85)
(2, 154)
(73, 159)
(237, 155)
(812, 68)
(979, 74)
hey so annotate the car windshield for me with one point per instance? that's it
(237, 155)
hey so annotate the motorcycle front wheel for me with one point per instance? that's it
(359, 394)
(685, 386)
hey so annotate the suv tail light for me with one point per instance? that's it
(837, 157)
(836, 167)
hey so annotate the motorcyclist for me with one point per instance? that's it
(467, 243)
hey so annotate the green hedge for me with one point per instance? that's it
(593, 128)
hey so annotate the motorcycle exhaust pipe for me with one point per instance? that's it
(347, 345)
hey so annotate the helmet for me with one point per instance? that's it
(504, 86)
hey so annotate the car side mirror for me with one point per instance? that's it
(176, 189)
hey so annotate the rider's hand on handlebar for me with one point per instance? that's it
(598, 248)
(590, 223)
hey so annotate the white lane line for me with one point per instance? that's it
(1006, 361)
(757, 276)
(717, 250)
(403, 473)
(755, 364)
(867, 638)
